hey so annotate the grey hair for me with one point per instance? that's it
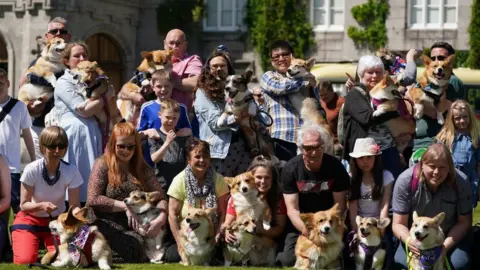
(58, 20)
(367, 62)
(327, 139)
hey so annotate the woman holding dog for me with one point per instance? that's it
(118, 172)
(227, 148)
(197, 186)
(80, 124)
(430, 187)
(42, 196)
(359, 121)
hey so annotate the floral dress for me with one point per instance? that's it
(126, 244)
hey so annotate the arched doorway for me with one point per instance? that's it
(105, 51)
(3, 54)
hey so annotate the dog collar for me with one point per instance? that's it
(428, 90)
(428, 257)
(81, 243)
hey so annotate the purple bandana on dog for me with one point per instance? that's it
(428, 257)
(78, 243)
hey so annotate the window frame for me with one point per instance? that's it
(219, 27)
(328, 26)
(432, 26)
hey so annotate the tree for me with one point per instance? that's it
(269, 20)
(473, 60)
(372, 16)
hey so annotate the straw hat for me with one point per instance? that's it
(365, 147)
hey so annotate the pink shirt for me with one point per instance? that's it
(189, 65)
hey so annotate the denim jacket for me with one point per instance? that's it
(208, 112)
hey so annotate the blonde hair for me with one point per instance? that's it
(52, 135)
(447, 134)
(161, 75)
(434, 152)
(68, 50)
(169, 104)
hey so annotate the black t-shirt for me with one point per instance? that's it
(314, 189)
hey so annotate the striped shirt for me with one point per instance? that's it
(286, 121)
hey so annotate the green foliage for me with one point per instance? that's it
(372, 17)
(473, 60)
(173, 14)
(269, 20)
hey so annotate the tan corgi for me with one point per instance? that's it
(49, 63)
(197, 237)
(432, 87)
(323, 246)
(386, 98)
(368, 250)
(428, 238)
(153, 60)
(96, 84)
(244, 229)
(300, 69)
(90, 245)
(144, 205)
(263, 252)
(247, 200)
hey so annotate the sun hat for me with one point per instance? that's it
(365, 147)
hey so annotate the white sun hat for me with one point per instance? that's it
(365, 147)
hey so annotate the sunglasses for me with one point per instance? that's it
(439, 58)
(58, 31)
(310, 148)
(128, 147)
(55, 146)
(284, 55)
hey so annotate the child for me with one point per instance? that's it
(460, 135)
(168, 151)
(371, 186)
(14, 119)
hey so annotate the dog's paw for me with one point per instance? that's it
(145, 82)
(156, 261)
(418, 108)
(377, 113)
(266, 225)
(440, 118)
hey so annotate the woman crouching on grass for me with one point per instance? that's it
(42, 196)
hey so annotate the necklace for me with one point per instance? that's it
(46, 177)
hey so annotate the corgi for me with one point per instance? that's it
(243, 228)
(428, 237)
(300, 69)
(432, 87)
(80, 244)
(144, 205)
(386, 98)
(95, 85)
(247, 200)
(154, 60)
(197, 237)
(368, 250)
(263, 251)
(49, 63)
(323, 246)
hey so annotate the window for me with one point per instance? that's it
(225, 15)
(327, 15)
(433, 14)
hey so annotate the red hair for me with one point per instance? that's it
(137, 166)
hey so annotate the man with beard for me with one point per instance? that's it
(312, 181)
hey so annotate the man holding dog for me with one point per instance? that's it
(312, 181)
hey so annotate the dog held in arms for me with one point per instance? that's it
(80, 245)
(144, 205)
(300, 69)
(49, 63)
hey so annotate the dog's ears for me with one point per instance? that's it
(335, 208)
(147, 55)
(171, 52)
(439, 218)
(450, 60)
(229, 181)
(211, 211)
(426, 60)
(415, 215)
(311, 62)
(358, 219)
(82, 215)
(383, 223)
(99, 71)
(153, 197)
(307, 219)
(248, 75)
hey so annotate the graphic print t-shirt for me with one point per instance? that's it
(314, 189)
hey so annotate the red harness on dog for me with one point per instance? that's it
(81, 243)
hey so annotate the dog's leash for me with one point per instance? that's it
(409, 257)
(55, 255)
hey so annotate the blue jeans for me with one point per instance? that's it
(458, 256)
(391, 161)
(15, 192)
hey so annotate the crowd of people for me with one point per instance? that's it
(179, 149)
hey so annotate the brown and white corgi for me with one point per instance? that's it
(368, 250)
(428, 238)
(432, 87)
(152, 61)
(144, 205)
(244, 229)
(197, 237)
(49, 63)
(89, 245)
(300, 69)
(323, 246)
(247, 200)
